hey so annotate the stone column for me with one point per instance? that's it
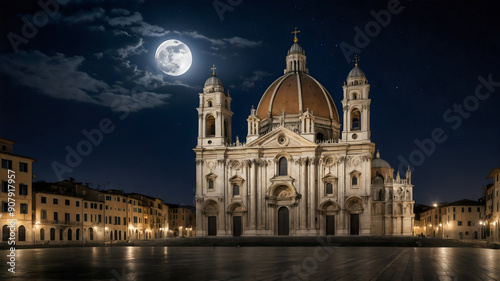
(303, 191)
(253, 187)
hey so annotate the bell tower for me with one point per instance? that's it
(356, 106)
(214, 114)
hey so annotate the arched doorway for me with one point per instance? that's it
(237, 226)
(354, 224)
(22, 233)
(283, 221)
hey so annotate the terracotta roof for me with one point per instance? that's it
(284, 94)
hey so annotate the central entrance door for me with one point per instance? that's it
(237, 226)
(283, 223)
(354, 224)
(330, 225)
(212, 225)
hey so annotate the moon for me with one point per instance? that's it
(173, 57)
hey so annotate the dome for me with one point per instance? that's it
(356, 72)
(377, 162)
(294, 93)
(213, 80)
(296, 49)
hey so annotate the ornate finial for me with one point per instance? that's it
(356, 59)
(377, 155)
(295, 39)
(213, 70)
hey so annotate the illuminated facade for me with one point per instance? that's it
(19, 192)
(492, 206)
(298, 173)
(181, 220)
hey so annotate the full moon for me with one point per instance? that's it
(173, 57)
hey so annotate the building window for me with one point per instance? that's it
(282, 166)
(24, 208)
(23, 167)
(6, 164)
(354, 180)
(469, 223)
(459, 223)
(236, 190)
(66, 202)
(23, 189)
(91, 233)
(84, 217)
(56, 216)
(70, 234)
(43, 200)
(470, 209)
(55, 201)
(66, 217)
(78, 203)
(5, 186)
(4, 147)
(77, 217)
(43, 214)
(210, 132)
(329, 188)
(85, 205)
(100, 206)
(42, 234)
(463, 209)
(453, 209)
(108, 197)
(453, 216)
(61, 234)
(210, 103)
(355, 120)
(5, 206)
(210, 184)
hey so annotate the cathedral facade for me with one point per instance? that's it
(299, 172)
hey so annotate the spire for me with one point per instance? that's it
(295, 39)
(377, 155)
(213, 70)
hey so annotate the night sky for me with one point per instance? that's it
(92, 63)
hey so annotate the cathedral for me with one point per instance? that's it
(300, 172)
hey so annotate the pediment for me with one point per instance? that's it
(281, 137)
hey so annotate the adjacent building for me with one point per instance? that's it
(492, 206)
(16, 197)
(463, 219)
(181, 219)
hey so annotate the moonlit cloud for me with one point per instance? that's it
(86, 16)
(134, 49)
(59, 77)
(126, 20)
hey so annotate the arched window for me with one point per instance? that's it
(5, 233)
(77, 234)
(42, 234)
(61, 234)
(236, 190)
(282, 166)
(354, 180)
(210, 103)
(70, 234)
(355, 120)
(210, 126)
(116, 234)
(22, 233)
(320, 137)
(329, 188)
(91, 233)
(52, 234)
(111, 235)
(354, 96)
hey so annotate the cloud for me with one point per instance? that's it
(135, 49)
(147, 29)
(96, 28)
(59, 77)
(86, 16)
(99, 55)
(119, 11)
(249, 82)
(126, 20)
(224, 42)
(242, 42)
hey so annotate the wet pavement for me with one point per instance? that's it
(252, 263)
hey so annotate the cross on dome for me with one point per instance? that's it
(295, 39)
(213, 70)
